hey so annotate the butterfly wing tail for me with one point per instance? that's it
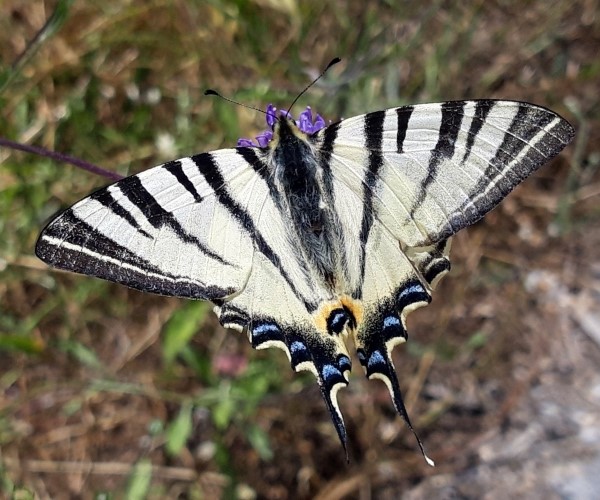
(331, 379)
(328, 361)
(326, 358)
(383, 328)
(378, 365)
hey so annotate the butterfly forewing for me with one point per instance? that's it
(443, 166)
(162, 231)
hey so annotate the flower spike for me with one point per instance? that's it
(306, 123)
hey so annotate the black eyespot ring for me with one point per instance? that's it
(337, 320)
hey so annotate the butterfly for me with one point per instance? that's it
(317, 234)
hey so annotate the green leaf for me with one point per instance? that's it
(179, 430)
(181, 328)
(53, 24)
(139, 481)
(22, 494)
(223, 412)
(21, 343)
(477, 340)
(259, 440)
(81, 353)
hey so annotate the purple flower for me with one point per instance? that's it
(245, 143)
(271, 115)
(305, 123)
(264, 138)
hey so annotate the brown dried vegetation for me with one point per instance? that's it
(501, 372)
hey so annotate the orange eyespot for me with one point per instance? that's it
(334, 316)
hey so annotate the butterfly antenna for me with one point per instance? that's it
(215, 93)
(334, 61)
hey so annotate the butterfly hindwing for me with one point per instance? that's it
(275, 315)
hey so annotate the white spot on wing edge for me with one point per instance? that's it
(410, 308)
(333, 396)
(279, 345)
(307, 366)
(390, 344)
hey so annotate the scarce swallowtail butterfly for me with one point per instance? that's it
(318, 233)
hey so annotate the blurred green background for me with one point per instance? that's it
(111, 393)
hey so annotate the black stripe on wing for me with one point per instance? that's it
(502, 174)
(527, 122)
(525, 125)
(175, 168)
(373, 131)
(482, 110)
(97, 255)
(133, 189)
(209, 169)
(404, 113)
(452, 115)
(106, 199)
(258, 164)
(329, 137)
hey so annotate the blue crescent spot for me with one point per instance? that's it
(361, 356)
(297, 346)
(329, 371)
(391, 321)
(337, 320)
(376, 359)
(339, 316)
(265, 328)
(416, 288)
(344, 363)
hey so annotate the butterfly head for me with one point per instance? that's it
(306, 124)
